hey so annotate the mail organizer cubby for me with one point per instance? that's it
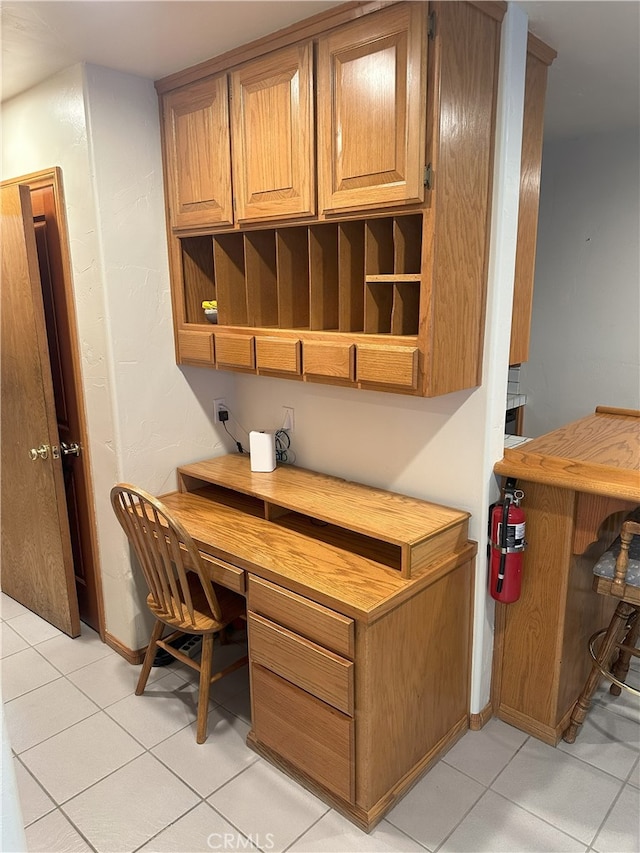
(355, 276)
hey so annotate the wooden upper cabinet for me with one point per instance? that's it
(539, 57)
(371, 110)
(198, 154)
(273, 135)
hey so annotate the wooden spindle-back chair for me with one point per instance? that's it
(181, 595)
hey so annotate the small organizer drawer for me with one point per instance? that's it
(225, 574)
(329, 359)
(195, 347)
(313, 621)
(282, 355)
(322, 673)
(387, 365)
(315, 738)
(235, 350)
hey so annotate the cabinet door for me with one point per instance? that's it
(371, 110)
(539, 56)
(198, 154)
(273, 135)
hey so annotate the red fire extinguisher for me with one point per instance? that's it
(507, 546)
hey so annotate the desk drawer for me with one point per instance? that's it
(315, 738)
(225, 574)
(322, 673)
(311, 620)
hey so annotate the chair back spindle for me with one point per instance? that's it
(165, 551)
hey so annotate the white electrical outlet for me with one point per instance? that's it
(287, 418)
(218, 404)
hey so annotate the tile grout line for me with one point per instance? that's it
(54, 805)
(203, 798)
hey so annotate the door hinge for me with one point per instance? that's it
(428, 176)
(431, 25)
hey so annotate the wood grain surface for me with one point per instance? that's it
(384, 515)
(599, 454)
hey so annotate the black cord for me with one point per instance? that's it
(238, 445)
(283, 447)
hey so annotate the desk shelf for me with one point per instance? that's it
(395, 530)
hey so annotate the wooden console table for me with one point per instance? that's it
(579, 483)
(360, 605)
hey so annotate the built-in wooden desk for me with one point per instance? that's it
(579, 483)
(359, 616)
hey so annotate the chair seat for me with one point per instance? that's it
(232, 606)
(606, 565)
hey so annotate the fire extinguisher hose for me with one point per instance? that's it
(503, 543)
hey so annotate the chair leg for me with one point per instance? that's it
(149, 656)
(605, 652)
(206, 661)
(621, 668)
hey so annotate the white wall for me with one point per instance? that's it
(145, 415)
(585, 346)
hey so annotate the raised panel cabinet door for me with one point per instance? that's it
(273, 135)
(371, 110)
(198, 154)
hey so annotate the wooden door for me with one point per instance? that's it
(273, 135)
(37, 562)
(64, 358)
(539, 57)
(198, 154)
(371, 110)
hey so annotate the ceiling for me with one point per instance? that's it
(594, 84)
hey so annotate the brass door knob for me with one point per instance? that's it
(42, 452)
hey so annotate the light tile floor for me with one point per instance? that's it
(100, 769)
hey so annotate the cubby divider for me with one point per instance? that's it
(229, 265)
(323, 277)
(379, 246)
(405, 310)
(197, 275)
(378, 304)
(407, 244)
(351, 276)
(262, 290)
(292, 266)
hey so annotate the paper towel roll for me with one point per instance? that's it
(262, 449)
